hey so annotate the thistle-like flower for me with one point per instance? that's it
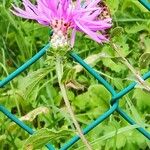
(65, 15)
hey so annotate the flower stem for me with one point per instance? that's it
(59, 70)
(135, 73)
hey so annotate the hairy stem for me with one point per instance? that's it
(59, 70)
(136, 73)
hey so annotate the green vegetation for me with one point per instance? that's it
(34, 96)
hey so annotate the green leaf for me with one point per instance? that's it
(112, 65)
(68, 75)
(96, 96)
(142, 99)
(113, 5)
(34, 113)
(44, 136)
(29, 84)
(137, 28)
(145, 60)
(2, 137)
(118, 31)
(121, 141)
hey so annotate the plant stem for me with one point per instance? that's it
(136, 73)
(59, 70)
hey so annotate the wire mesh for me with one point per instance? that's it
(116, 97)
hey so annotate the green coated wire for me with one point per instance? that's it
(132, 122)
(98, 120)
(145, 3)
(25, 66)
(128, 88)
(12, 76)
(112, 91)
(16, 120)
(90, 127)
(93, 72)
(21, 124)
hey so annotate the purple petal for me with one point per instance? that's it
(73, 37)
(95, 36)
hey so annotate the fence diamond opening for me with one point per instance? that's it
(116, 97)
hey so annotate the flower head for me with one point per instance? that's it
(63, 15)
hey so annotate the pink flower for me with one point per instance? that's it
(63, 15)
